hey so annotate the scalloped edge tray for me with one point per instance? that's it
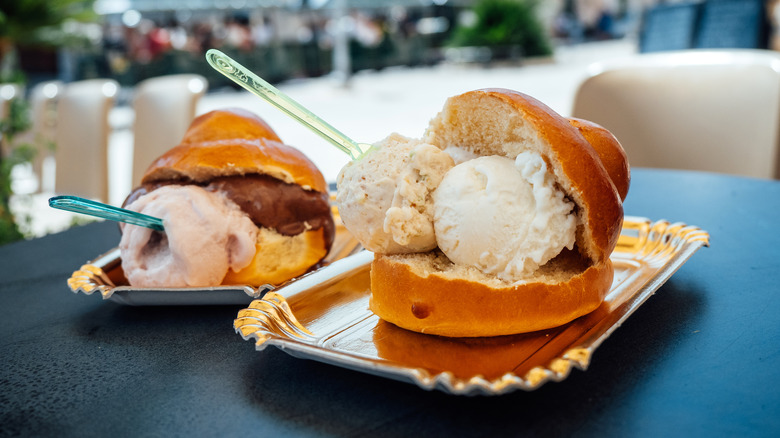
(325, 317)
(104, 275)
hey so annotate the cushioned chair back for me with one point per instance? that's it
(164, 108)
(704, 110)
(81, 149)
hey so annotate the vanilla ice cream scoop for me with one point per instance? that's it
(205, 235)
(505, 217)
(384, 198)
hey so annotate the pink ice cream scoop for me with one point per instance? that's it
(205, 235)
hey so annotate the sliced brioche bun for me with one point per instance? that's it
(279, 258)
(414, 292)
(611, 153)
(506, 123)
(225, 152)
(427, 293)
(235, 142)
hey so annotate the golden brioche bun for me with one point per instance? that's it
(425, 292)
(414, 292)
(240, 123)
(279, 258)
(611, 153)
(225, 153)
(235, 143)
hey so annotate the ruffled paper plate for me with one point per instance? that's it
(104, 275)
(325, 317)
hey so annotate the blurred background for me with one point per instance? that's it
(83, 113)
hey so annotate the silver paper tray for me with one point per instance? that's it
(104, 275)
(325, 317)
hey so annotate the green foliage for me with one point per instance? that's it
(503, 23)
(17, 121)
(33, 23)
(25, 21)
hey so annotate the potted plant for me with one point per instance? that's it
(502, 29)
(26, 23)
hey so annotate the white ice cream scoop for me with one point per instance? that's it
(505, 217)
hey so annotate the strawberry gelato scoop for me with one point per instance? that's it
(206, 234)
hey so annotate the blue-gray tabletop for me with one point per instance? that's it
(700, 357)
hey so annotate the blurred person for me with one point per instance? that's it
(203, 37)
(596, 17)
(262, 32)
(178, 35)
(159, 41)
(237, 32)
(138, 42)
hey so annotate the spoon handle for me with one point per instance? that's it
(256, 85)
(105, 211)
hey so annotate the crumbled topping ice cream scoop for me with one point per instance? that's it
(384, 198)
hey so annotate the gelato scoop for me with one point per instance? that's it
(505, 217)
(206, 235)
(385, 196)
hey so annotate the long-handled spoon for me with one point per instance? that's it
(105, 211)
(259, 87)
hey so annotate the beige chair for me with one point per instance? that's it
(164, 107)
(709, 110)
(81, 151)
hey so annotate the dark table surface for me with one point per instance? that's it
(700, 357)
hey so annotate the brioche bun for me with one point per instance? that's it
(234, 143)
(419, 292)
(425, 292)
(220, 143)
(611, 153)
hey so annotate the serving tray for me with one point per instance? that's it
(104, 275)
(325, 317)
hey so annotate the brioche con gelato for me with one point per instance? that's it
(239, 207)
(500, 220)
(206, 234)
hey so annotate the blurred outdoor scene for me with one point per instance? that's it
(369, 67)
(133, 40)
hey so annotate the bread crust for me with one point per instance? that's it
(234, 143)
(272, 265)
(458, 307)
(610, 151)
(239, 122)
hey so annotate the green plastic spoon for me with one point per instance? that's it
(259, 87)
(105, 211)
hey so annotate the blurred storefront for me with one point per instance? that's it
(282, 39)
(276, 38)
